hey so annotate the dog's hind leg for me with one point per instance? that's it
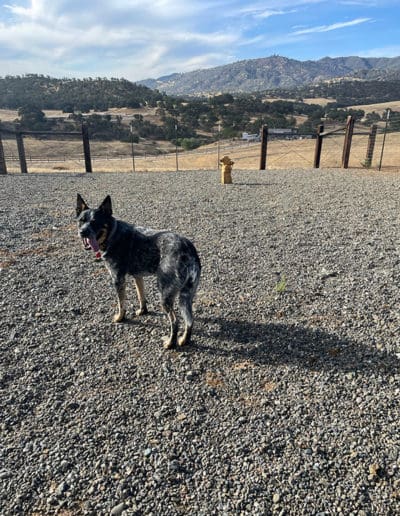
(185, 302)
(121, 294)
(185, 307)
(167, 304)
(139, 283)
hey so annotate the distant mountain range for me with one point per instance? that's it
(274, 72)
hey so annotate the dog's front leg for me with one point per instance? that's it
(141, 296)
(119, 284)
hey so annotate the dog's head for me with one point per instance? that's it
(94, 224)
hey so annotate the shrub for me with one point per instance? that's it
(189, 143)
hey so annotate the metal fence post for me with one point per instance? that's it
(86, 148)
(132, 150)
(384, 137)
(218, 145)
(176, 147)
(318, 146)
(3, 166)
(264, 143)
(371, 146)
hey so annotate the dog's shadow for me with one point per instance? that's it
(278, 343)
(253, 185)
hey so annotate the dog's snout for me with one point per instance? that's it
(85, 231)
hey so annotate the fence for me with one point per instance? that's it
(65, 152)
(21, 153)
(375, 147)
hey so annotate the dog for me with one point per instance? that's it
(136, 251)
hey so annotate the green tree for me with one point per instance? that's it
(189, 143)
(394, 121)
(372, 118)
(33, 118)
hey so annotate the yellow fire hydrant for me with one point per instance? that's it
(226, 170)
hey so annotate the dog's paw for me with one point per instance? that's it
(182, 340)
(185, 337)
(169, 343)
(119, 317)
(142, 311)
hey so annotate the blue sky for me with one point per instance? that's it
(138, 39)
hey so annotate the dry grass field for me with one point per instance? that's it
(378, 108)
(320, 101)
(67, 155)
(9, 115)
(52, 156)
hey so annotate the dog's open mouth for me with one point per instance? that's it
(91, 244)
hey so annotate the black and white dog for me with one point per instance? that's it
(132, 250)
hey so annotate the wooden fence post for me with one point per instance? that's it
(264, 142)
(371, 146)
(3, 166)
(21, 152)
(347, 141)
(318, 146)
(388, 111)
(86, 148)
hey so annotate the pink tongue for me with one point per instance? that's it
(93, 244)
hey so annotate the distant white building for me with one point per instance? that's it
(288, 130)
(250, 137)
(287, 133)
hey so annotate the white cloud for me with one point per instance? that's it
(150, 35)
(261, 12)
(272, 7)
(174, 64)
(333, 26)
(139, 39)
(268, 13)
(36, 10)
(361, 3)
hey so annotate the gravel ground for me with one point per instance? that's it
(287, 401)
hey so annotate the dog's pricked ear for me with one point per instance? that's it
(106, 206)
(81, 205)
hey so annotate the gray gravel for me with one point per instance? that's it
(287, 402)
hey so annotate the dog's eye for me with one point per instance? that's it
(84, 217)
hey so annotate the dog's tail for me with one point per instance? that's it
(193, 276)
(194, 269)
(191, 269)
